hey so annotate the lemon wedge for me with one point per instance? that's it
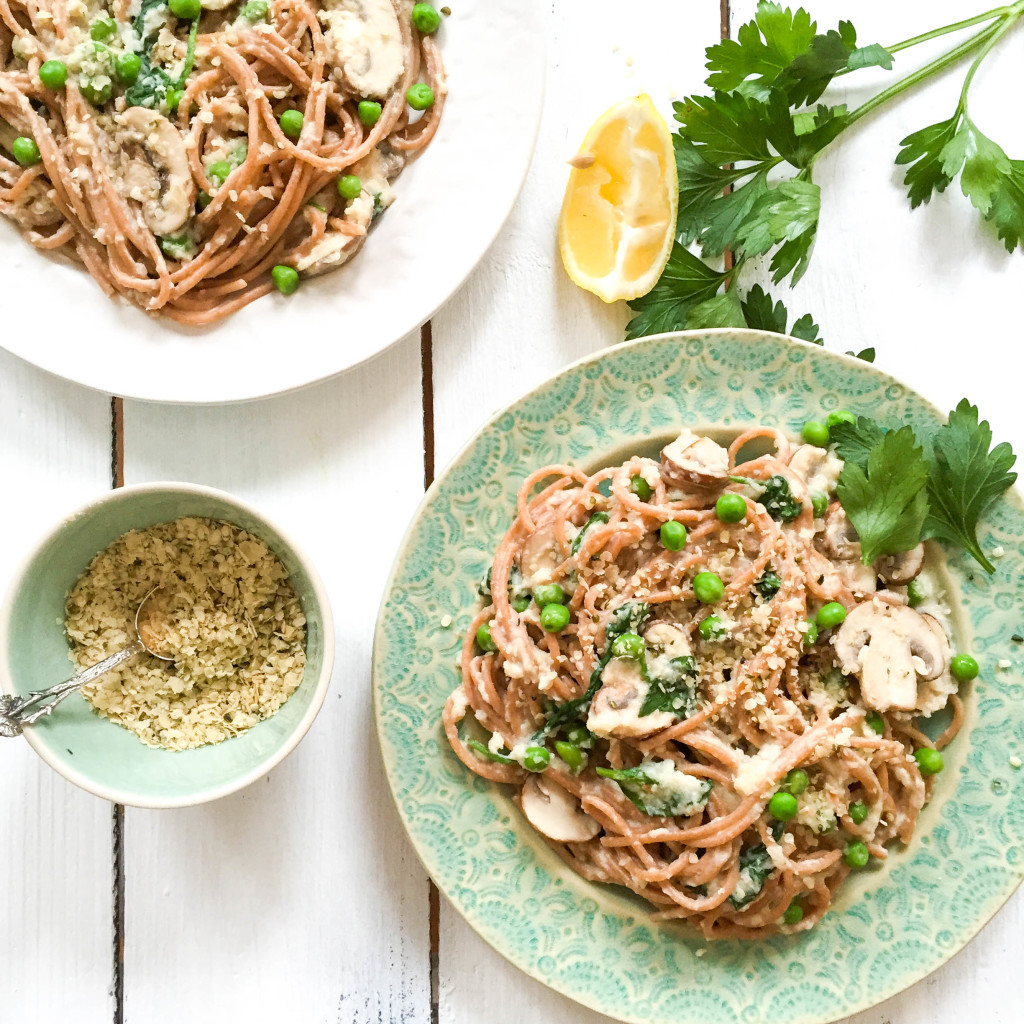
(618, 216)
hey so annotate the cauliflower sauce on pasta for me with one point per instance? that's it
(696, 687)
(192, 155)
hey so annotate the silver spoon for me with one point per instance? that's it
(16, 712)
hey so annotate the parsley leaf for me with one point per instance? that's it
(966, 479)
(700, 183)
(685, 282)
(786, 213)
(763, 48)
(922, 152)
(762, 314)
(887, 503)
(721, 311)
(855, 441)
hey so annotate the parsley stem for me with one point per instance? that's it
(994, 38)
(923, 73)
(956, 26)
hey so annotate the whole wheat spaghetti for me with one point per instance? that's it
(180, 160)
(695, 686)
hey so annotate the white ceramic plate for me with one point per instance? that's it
(450, 205)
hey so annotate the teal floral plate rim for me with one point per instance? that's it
(889, 927)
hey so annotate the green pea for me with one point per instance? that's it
(964, 668)
(929, 761)
(419, 96)
(291, 123)
(815, 433)
(53, 74)
(797, 781)
(25, 151)
(811, 635)
(915, 594)
(520, 604)
(708, 587)
(536, 759)
(830, 615)
(350, 186)
(833, 419)
(554, 617)
(856, 854)
(673, 535)
(711, 628)
(819, 505)
(731, 508)
(570, 754)
(369, 112)
(255, 10)
(127, 68)
(640, 487)
(97, 95)
(186, 9)
(218, 172)
(286, 279)
(783, 806)
(794, 913)
(102, 28)
(874, 721)
(580, 736)
(629, 645)
(548, 593)
(858, 812)
(425, 18)
(483, 638)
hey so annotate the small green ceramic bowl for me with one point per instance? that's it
(97, 754)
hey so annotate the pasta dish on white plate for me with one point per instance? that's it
(194, 155)
(699, 689)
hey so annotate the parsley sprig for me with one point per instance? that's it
(895, 494)
(746, 152)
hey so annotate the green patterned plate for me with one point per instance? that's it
(596, 944)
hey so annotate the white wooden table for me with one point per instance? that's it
(299, 899)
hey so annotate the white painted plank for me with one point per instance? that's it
(298, 899)
(931, 290)
(519, 319)
(56, 917)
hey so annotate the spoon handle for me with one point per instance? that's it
(16, 712)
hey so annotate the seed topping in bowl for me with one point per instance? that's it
(225, 612)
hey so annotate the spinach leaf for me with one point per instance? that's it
(778, 500)
(659, 789)
(672, 686)
(518, 592)
(627, 618)
(768, 583)
(755, 866)
(597, 517)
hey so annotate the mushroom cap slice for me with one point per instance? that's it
(889, 647)
(902, 567)
(694, 461)
(554, 812)
(839, 539)
(615, 710)
(817, 468)
(161, 176)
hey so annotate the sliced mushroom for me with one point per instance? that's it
(889, 647)
(933, 694)
(668, 639)
(555, 812)
(857, 577)
(901, 568)
(615, 710)
(694, 461)
(158, 176)
(839, 539)
(364, 43)
(817, 467)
